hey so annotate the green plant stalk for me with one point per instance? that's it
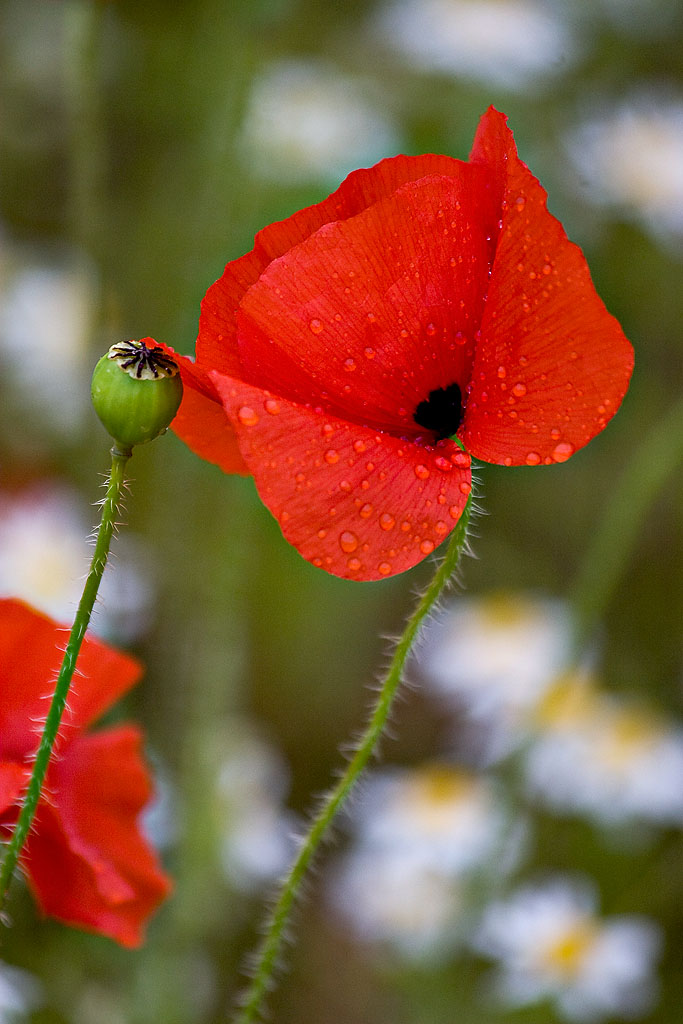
(266, 960)
(652, 464)
(108, 519)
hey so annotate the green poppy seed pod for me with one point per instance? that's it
(136, 390)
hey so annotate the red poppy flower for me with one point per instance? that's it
(85, 859)
(426, 297)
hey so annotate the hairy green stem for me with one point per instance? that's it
(612, 544)
(267, 956)
(110, 507)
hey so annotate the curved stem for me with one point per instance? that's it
(54, 716)
(267, 956)
(611, 547)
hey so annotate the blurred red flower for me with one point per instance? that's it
(426, 296)
(85, 859)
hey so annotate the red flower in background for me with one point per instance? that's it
(425, 297)
(85, 859)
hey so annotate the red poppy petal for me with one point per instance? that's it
(13, 779)
(31, 648)
(370, 314)
(202, 424)
(86, 859)
(216, 344)
(551, 365)
(358, 503)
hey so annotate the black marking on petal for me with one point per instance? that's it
(142, 361)
(441, 411)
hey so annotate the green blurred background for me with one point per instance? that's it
(142, 145)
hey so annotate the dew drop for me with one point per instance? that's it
(441, 528)
(520, 203)
(547, 269)
(371, 318)
(502, 373)
(315, 326)
(353, 564)
(455, 511)
(348, 541)
(465, 487)
(519, 390)
(346, 486)
(386, 521)
(563, 451)
(365, 511)
(317, 562)
(384, 568)
(405, 526)
(359, 446)
(507, 461)
(331, 456)
(555, 434)
(461, 460)
(349, 365)
(533, 459)
(247, 416)
(426, 547)
(322, 534)
(369, 352)
(421, 472)
(430, 330)
(271, 406)
(445, 465)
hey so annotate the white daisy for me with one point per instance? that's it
(551, 945)
(257, 832)
(509, 43)
(44, 557)
(630, 158)
(599, 755)
(306, 121)
(492, 658)
(388, 897)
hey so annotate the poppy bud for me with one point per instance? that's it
(136, 390)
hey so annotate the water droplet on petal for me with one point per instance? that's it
(353, 564)
(507, 461)
(430, 330)
(519, 203)
(426, 547)
(502, 373)
(349, 365)
(461, 459)
(465, 487)
(315, 326)
(348, 541)
(365, 511)
(359, 446)
(247, 416)
(421, 472)
(563, 451)
(441, 528)
(271, 406)
(445, 465)
(455, 511)
(533, 459)
(384, 568)
(386, 521)
(331, 456)
(519, 390)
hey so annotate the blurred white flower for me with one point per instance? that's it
(46, 313)
(492, 658)
(509, 43)
(630, 158)
(20, 993)
(596, 754)
(44, 557)
(258, 833)
(422, 839)
(386, 896)
(551, 944)
(304, 121)
(439, 815)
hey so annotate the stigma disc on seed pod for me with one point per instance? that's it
(136, 390)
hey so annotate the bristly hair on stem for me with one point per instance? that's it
(46, 747)
(267, 959)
